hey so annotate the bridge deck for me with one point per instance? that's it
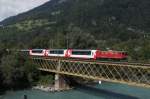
(121, 73)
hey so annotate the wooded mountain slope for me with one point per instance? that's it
(102, 24)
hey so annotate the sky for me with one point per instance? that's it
(13, 7)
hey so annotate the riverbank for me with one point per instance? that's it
(50, 88)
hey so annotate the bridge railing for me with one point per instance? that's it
(121, 73)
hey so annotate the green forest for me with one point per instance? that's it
(79, 24)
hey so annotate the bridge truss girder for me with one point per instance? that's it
(127, 74)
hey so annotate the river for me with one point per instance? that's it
(104, 91)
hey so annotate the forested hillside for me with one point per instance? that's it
(83, 24)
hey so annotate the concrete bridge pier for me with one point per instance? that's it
(60, 83)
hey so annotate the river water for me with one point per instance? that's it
(104, 91)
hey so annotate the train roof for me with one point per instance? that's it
(116, 51)
(37, 49)
(78, 50)
(56, 49)
(82, 49)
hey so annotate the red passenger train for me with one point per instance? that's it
(77, 53)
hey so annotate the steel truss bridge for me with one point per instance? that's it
(131, 74)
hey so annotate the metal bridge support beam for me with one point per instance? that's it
(60, 83)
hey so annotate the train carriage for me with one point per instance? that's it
(86, 54)
(111, 54)
(77, 53)
(37, 52)
(56, 52)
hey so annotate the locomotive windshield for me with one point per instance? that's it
(56, 52)
(81, 52)
(37, 51)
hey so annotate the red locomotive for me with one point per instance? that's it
(76, 53)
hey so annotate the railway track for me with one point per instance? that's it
(98, 61)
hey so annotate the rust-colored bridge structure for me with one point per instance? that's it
(131, 74)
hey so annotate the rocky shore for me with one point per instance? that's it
(44, 88)
(49, 88)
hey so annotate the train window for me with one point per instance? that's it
(37, 51)
(60, 52)
(125, 53)
(56, 52)
(52, 52)
(81, 52)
